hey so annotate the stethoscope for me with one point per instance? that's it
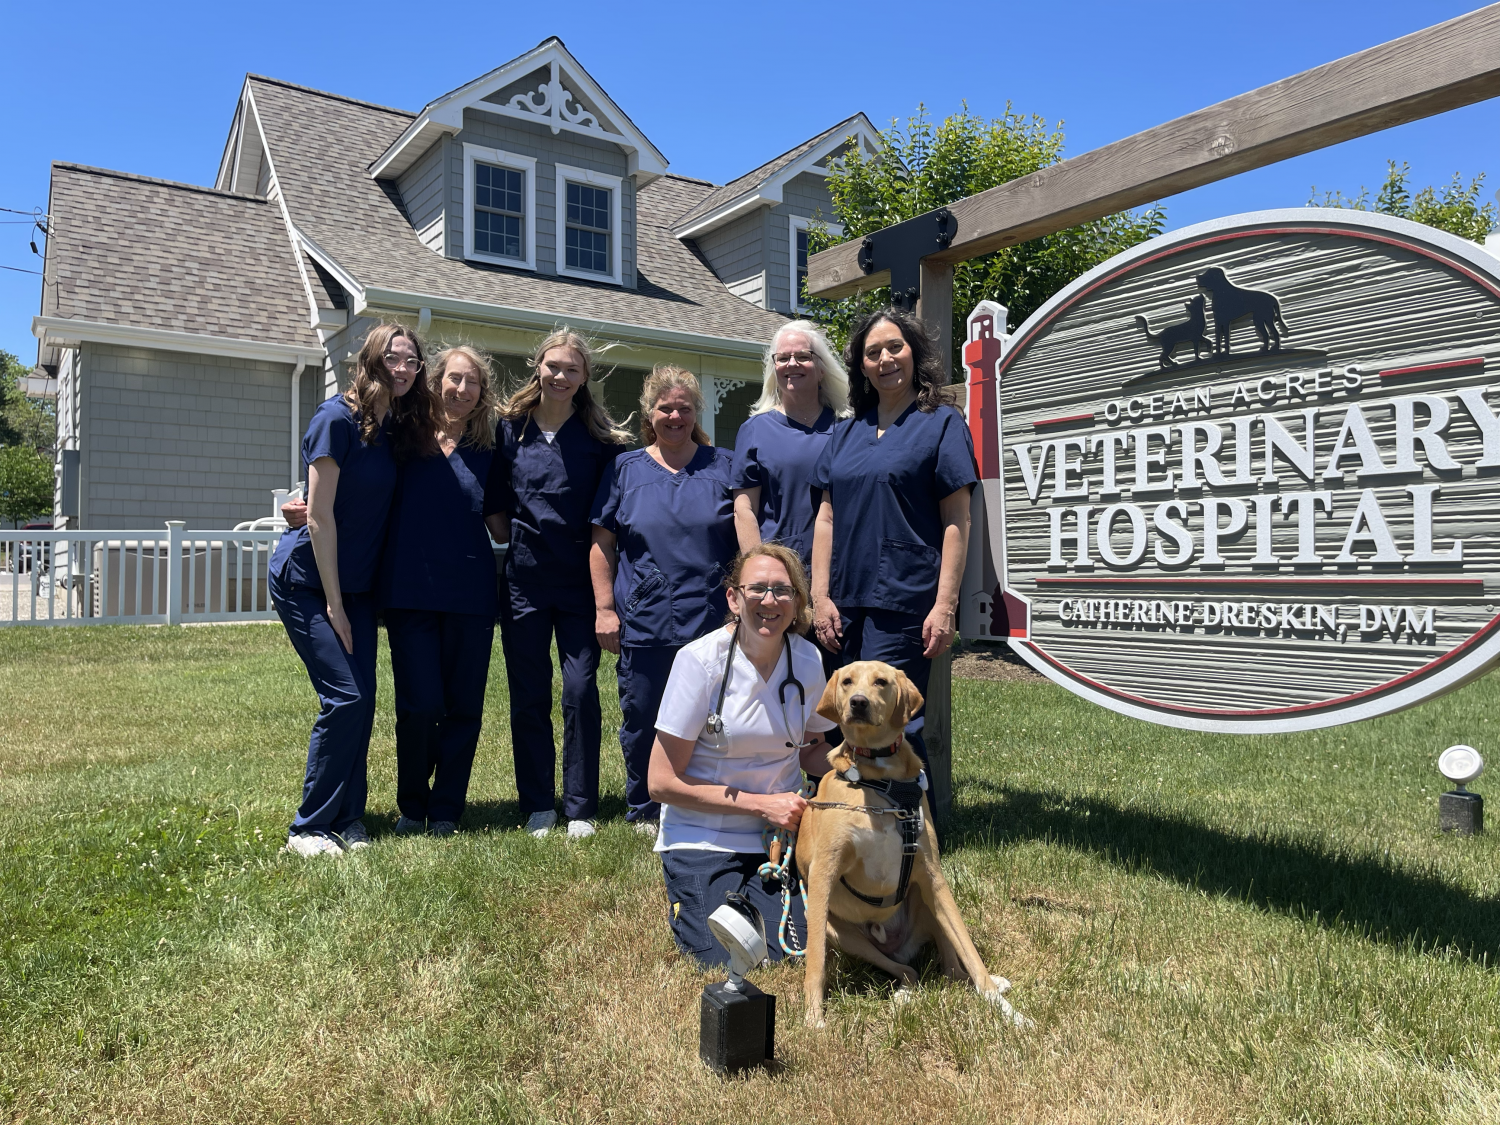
(716, 716)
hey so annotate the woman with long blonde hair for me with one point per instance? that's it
(554, 446)
(663, 541)
(322, 576)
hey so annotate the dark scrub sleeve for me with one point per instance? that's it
(361, 506)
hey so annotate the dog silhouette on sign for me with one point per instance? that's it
(1231, 304)
(1173, 336)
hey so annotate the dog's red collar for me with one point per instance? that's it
(876, 751)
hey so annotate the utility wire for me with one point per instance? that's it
(17, 269)
(35, 213)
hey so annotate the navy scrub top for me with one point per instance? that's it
(887, 529)
(547, 489)
(676, 539)
(438, 555)
(361, 506)
(779, 455)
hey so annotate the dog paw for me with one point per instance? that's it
(997, 997)
(815, 1021)
(903, 996)
(1001, 985)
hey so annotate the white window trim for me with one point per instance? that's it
(794, 224)
(565, 174)
(523, 164)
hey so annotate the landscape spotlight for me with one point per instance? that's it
(738, 1028)
(1461, 811)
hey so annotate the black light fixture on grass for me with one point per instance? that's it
(1461, 811)
(738, 1028)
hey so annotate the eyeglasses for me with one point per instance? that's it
(895, 347)
(801, 359)
(395, 362)
(757, 591)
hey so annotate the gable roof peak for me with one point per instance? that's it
(580, 106)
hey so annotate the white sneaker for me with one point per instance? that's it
(540, 823)
(355, 836)
(645, 827)
(579, 829)
(308, 845)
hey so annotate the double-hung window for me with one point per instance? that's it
(588, 222)
(499, 207)
(797, 253)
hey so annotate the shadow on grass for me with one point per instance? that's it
(1371, 894)
(501, 816)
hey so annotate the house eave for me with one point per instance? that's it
(67, 332)
(731, 210)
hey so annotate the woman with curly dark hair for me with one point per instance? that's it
(892, 529)
(322, 576)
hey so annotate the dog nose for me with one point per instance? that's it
(859, 703)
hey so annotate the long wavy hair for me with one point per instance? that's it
(833, 382)
(928, 377)
(663, 378)
(524, 398)
(479, 430)
(802, 617)
(413, 423)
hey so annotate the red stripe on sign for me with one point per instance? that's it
(1283, 583)
(1423, 368)
(1089, 417)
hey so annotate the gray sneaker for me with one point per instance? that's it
(443, 827)
(406, 826)
(579, 829)
(307, 845)
(540, 823)
(354, 837)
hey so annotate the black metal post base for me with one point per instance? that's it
(1461, 812)
(738, 1029)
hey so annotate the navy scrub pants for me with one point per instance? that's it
(440, 663)
(336, 786)
(531, 617)
(642, 675)
(895, 638)
(698, 882)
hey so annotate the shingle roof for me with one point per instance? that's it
(139, 252)
(321, 145)
(747, 183)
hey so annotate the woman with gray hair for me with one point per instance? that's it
(806, 390)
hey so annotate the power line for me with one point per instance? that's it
(35, 212)
(17, 269)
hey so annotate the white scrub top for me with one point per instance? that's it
(752, 754)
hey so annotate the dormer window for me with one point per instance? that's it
(797, 253)
(499, 207)
(588, 221)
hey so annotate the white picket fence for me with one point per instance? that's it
(168, 577)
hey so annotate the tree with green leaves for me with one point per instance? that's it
(923, 167)
(1456, 209)
(25, 484)
(23, 421)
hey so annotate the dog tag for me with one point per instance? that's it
(922, 779)
(852, 773)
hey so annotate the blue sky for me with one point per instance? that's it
(151, 88)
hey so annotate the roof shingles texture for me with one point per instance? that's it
(138, 252)
(321, 146)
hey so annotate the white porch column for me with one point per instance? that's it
(297, 419)
(714, 391)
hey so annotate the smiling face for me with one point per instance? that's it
(561, 372)
(871, 701)
(796, 364)
(672, 418)
(768, 616)
(401, 361)
(887, 359)
(461, 388)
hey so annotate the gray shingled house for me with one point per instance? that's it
(194, 329)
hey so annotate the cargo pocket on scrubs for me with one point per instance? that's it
(648, 610)
(686, 911)
(908, 575)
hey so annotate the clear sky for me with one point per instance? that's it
(151, 88)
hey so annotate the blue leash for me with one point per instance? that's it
(782, 873)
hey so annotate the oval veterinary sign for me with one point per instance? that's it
(1251, 473)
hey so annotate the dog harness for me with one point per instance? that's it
(906, 801)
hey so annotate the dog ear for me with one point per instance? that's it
(828, 706)
(911, 698)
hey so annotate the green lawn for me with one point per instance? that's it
(1203, 928)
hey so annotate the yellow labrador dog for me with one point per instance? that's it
(867, 850)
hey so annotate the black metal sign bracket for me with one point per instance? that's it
(901, 249)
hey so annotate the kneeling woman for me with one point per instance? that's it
(437, 593)
(737, 727)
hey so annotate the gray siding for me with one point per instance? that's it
(805, 195)
(537, 141)
(168, 435)
(736, 253)
(422, 193)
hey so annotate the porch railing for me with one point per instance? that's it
(167, 577)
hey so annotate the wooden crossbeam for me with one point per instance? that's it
(1427, 72)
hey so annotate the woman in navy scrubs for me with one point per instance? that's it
(437, 595)
(776, 451)
(892, 530)
(322, 576)
(663, 541)
(554, 447)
